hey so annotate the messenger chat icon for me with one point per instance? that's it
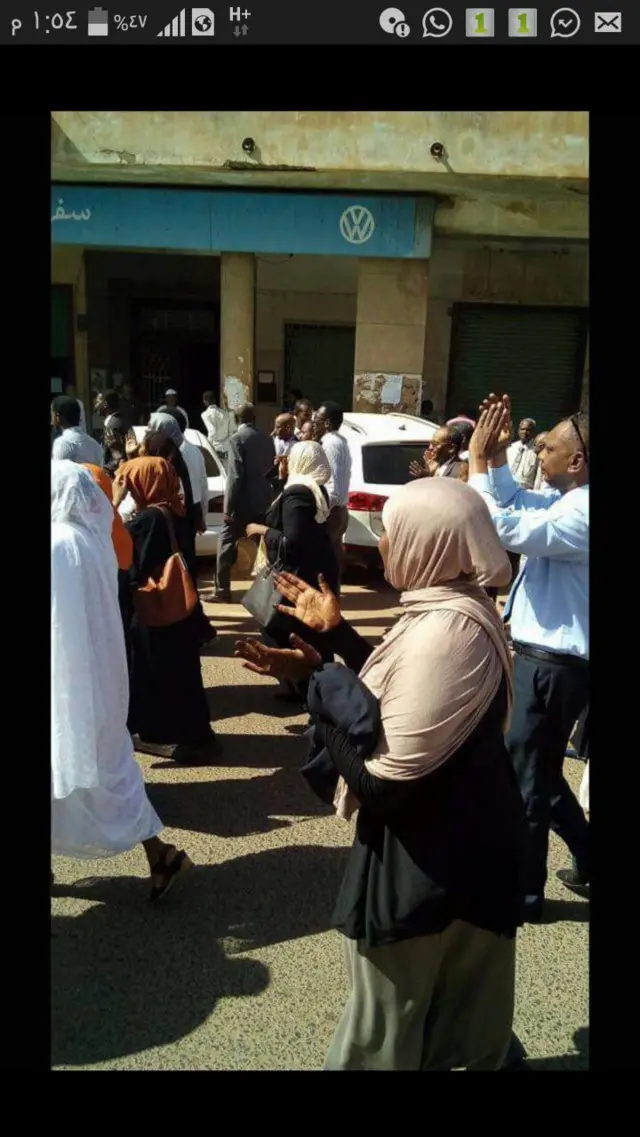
(436, 22)
(565, 22)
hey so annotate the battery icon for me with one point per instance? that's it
(98, 22)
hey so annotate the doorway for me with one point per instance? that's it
(176, 344)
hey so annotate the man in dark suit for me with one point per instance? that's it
(248, 494)
(442, 456)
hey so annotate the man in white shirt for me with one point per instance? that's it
(521, 455)
(219, 424)
(70, 391)
(171, 404)
(549, 612)
(193, 460)
(74, 443)
(327, 421)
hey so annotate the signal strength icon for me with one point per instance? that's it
(177, 28)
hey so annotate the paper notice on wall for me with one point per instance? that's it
(235, 392)
(392, 390)
(56, 386)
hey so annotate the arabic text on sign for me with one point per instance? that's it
(61, 214)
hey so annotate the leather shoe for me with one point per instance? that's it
(573, 880)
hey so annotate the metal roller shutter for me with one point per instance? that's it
(319, 361)
(537, 355)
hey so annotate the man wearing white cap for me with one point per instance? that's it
(172, 404)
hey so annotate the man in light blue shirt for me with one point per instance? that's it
(549, 612)
(73, 444)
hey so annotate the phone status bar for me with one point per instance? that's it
(284, 22)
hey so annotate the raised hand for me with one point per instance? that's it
(417, 469)
(293, 664)
(506, 431)
(318, 610)
(488, 438)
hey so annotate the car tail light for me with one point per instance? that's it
(216, 505)
(365, 502)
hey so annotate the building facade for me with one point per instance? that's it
(378, 259)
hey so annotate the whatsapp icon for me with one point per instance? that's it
(437, 22)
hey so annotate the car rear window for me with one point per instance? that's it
(388, 464)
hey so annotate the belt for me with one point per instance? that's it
(563, 659)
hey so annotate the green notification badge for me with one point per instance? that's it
(523, 22)
(479, 22)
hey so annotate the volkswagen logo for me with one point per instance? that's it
(357, 224)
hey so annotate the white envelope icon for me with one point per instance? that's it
(608, 21)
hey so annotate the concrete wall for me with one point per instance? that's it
(68, 267)
(514, 144)
(390, 337)
(317, 290)
(325, 290)
(298, 290)
(504, 173)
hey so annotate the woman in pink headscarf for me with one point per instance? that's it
(432, 896)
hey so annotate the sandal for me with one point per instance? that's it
(181, 863)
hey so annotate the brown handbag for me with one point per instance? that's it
(171, 597)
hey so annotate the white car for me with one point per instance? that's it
(382, 448)
(206, 543)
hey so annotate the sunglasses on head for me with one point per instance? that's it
(574, 422)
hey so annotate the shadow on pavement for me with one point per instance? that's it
(236, 809)
(579, 1061)
(257, 698)
(127, 977)
(571, 911)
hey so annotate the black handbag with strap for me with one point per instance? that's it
(263, 597)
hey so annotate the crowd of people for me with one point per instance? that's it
(445, 743)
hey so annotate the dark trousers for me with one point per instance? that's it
(337, 524)
(514, 561)
(581, 736)
(231, 533)
(191, 562)
(549, 697)
(125, 600)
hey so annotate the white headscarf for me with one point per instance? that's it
(309, 466)
(89, 680)
(169, 425)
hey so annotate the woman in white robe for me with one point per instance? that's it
(99, 806)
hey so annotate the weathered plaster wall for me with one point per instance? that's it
(527, 144)
(390, 334)
(237, 327)
(68, 267)
(506, 173)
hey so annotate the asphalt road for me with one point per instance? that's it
(236, 969)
